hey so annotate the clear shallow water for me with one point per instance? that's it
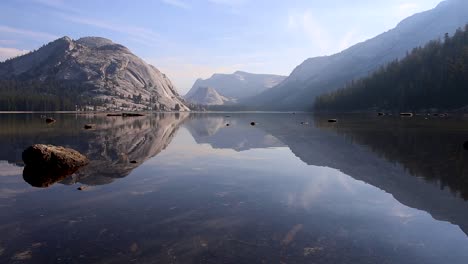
(365, 190)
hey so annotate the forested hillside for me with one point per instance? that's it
(430, 77)
(43, 96)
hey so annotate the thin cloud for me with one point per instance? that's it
(228, 2)
(27, 33)
(142, 35)
(305, 23)
(177, 3)
(56, 4)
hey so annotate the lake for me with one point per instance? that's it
(364, 190)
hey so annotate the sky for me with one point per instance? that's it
(194, 39)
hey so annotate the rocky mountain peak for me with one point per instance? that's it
(107, 71)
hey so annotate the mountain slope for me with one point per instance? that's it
(106, 70)
(433, 77)
(324, 74)
(238, 85)
(206, 96)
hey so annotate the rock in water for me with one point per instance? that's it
(47, 164)
(332, 120)
(88, 126)
(48, 156)
(50, 120)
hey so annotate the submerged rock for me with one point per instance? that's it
(88, 126)
(50, 120)
(407, 114)
(131, 114)
(47, 164)
(82, 188)
(253, 123)
(465, 145)
(133, 162)
(332, 120)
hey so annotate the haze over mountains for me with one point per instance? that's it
(318, 75)
(234, 87)
(106, 71)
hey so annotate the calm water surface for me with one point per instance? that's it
(364, 190)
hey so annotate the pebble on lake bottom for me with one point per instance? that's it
(25, 255)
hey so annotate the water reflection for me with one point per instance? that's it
(112, 146)
(201, 192)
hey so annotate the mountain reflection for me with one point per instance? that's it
(420, 162)
(411, 160)
(110, 146)
(211, 129)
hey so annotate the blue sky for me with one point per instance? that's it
(194, 39)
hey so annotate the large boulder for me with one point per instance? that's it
(48, 156)
(47, 164)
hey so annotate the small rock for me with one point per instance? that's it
(253, 123)
(228, 116)
(304, 123)
(332, 120)
(50, 120)
(465, 145)
(25, 255)
(133, 162)
(88, 126)
(407, 114)
(227, 124)
(380, 114)
(131, 114)
(82, 188)
(114, 114)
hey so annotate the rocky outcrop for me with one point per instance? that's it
(47, 164)
(106, 71)
(48, 156)
(207, 96)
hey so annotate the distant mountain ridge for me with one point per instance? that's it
(237, 86)
(207, 96)
(328, 73)
(107, 71)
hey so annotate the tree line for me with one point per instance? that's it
(431, 77)
(18, 95)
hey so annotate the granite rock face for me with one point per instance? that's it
(110, 71)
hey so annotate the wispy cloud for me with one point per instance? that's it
(228, 2)
(7, 53)
(177, 3)
(138, 34)
(56, 4)
(406, 9)
(306, 23)
(27, 33)
(6, 42)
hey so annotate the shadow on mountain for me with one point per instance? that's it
(115, 147)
